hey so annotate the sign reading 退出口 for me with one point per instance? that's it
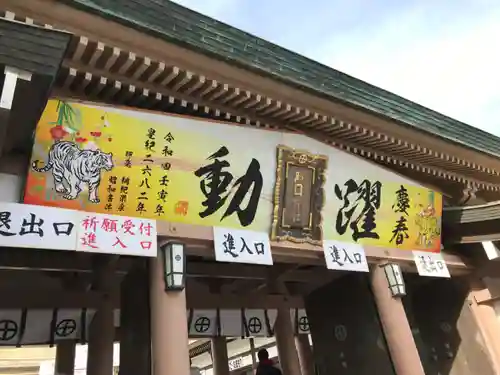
(177, 169)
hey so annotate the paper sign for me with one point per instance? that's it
(111, 234)
(430, 264)
(203, 323)
(300, 321)
(40, 227)
(345, 256)
(23, 225)
(491, 250)
(242, 246)
(235, 364)
(43, 326)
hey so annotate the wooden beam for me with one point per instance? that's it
(251, 272)
(38, 299)
(237, 301)
(277, 272)
(4, 123)
(475, 238)
(46, 260)
(199, 242)
(112, 33)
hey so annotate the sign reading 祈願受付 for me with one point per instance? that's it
(101, 233)
(32, 226)
(242, 246)
(345, 256)
(430, 264)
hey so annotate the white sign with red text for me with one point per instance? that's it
(112, 234)
(41, 227)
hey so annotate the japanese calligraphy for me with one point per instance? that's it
(5, 221)
(146, 171)
(400, 231)
(117, 234)
(230, 247)
(28, 226)
(89, 237)
(344, 256)
(215, 184)
(31, 225)
(242, 246)
(164, 181)
(402, 204)
(298, 190)
(124, 186)
(340, 256)
(430, 264)
(128, 159)
(111, 190)
(360, 204)
(63, 228)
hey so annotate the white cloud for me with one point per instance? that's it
(453, 69)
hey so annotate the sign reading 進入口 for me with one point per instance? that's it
(242, 246)
(148, 165)
(430, 264)
(345, 256)
(30, 226)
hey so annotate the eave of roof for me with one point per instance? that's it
(181, 26)
(472, 214)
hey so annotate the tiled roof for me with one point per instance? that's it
(179, 25)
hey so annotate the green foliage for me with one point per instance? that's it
(68, 116)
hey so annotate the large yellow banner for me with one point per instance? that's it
(136, 163)
(389, 214)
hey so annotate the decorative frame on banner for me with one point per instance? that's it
(298, 196)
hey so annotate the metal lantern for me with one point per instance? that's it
(395, 279)
(174, 261)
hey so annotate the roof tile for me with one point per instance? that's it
(179, 25)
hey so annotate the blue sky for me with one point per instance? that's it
(442, 54)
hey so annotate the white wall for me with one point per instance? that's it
(47, 367)
(235, 350)
(10, 188)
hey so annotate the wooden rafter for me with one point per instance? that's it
(106, 73)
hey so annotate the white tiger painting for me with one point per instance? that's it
(76, 167)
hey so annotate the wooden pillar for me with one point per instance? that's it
(252, 353)
(397, 331)
(486, 319)
(169, 331)
(135, 339)
(102, 328)
(283, 331)
(305, 353)
(219, 355)
(65, 357)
